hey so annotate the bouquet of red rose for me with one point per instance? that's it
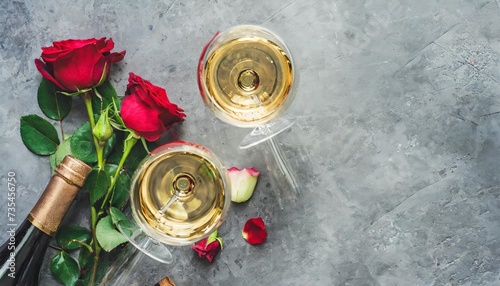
(107, 141)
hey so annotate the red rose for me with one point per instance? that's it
(75, 65)
(209, 250)
(147, 110)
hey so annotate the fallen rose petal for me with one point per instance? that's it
(254, 231)
(242, 183)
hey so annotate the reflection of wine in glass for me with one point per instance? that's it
(247, 78)
(179, 195)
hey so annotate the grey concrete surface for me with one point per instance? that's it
(396, 146)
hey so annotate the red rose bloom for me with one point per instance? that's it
(209, 250)
(147, 110)
(75, 65)
(254, 231)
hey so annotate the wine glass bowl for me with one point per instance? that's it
(180, 193)
(246, 76)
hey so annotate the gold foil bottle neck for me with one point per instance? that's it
(74, 170)
(62, 188)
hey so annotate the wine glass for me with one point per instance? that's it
(247, 78)
(180, 194)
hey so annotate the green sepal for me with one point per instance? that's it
(105, 97)
(78, 92)
(212, 237)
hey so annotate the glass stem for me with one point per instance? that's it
(282, 162)
(168, 204)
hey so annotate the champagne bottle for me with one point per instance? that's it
(21, 256)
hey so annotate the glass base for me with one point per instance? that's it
(145, 243)
(265, 132)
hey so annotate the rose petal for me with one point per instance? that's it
(116, 57)
(243, 183)
(254, 231)
(43, 69)
(75, 75)
(62, 48)
(141, 118)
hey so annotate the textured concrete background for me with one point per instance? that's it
(397, 144)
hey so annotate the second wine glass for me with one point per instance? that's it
(247, 78)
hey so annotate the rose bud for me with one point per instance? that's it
(208, 247)
(103, 130)
(242, 183)
(254, 231)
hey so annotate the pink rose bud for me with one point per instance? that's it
(242, 183)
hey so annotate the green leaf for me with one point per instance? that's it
(107, 94)
(116, 215)
(85, 259)
(122, 186)
(65, 268)
(53, 104)
(107, 235)
(62, 150)
(82, 144)
(70, 236)
(38, 135)
(119, 219)
(97, 184)
(121, 193)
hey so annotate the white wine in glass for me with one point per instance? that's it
(180, 194)
(247, 78)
